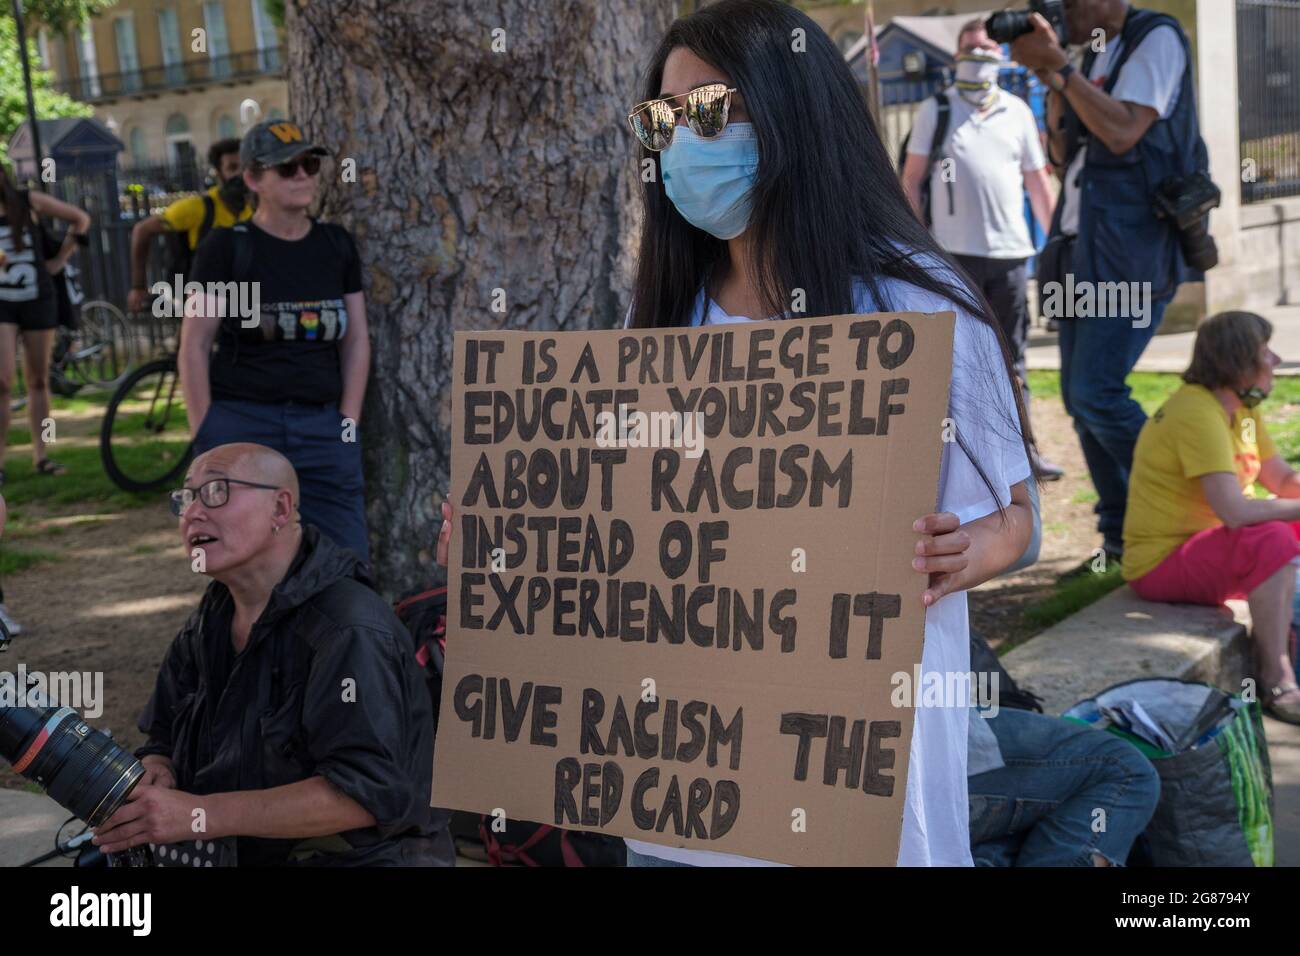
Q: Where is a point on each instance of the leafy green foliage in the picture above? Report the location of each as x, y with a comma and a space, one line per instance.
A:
50, 104
58, 15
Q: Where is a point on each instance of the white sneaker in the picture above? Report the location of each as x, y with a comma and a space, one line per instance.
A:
12, 626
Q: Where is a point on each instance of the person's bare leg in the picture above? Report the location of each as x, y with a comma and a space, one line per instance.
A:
8, 359
36, 368
1270, 616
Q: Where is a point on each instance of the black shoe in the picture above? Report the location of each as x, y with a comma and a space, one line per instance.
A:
1044, 469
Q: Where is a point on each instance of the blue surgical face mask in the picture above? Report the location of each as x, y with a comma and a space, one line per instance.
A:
711, 181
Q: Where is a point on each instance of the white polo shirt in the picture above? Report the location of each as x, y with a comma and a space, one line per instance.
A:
990, 153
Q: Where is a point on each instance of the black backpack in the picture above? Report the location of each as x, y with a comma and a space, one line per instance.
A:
179, 256
531, 844
983, 659
936, 153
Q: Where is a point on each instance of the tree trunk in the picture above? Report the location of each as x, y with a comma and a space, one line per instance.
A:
493, 168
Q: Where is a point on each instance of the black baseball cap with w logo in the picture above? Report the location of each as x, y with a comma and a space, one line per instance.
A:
272, 142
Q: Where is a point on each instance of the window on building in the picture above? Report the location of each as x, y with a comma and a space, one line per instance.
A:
214, 20
128, 59
264, 35
169, 39
87, 64
139, 148
226, 128
180, 146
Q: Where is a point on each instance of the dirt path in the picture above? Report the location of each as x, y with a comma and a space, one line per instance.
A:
112, 602
1069, 532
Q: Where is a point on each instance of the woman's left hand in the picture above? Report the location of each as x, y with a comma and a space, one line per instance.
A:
151, 815
942, 554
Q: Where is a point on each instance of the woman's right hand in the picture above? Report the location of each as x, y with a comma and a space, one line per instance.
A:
444, 535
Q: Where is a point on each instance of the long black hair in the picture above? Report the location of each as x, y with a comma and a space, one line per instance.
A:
827, 207
16, 209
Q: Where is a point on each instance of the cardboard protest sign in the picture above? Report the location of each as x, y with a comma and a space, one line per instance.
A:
680, 580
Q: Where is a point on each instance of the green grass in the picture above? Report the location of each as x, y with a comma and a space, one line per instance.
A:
1150, 389
1085, 496
1073, 595
86, 480
13, 560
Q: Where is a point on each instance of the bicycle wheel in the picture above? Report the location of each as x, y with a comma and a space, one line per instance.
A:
144, 441
102, 347
61, 383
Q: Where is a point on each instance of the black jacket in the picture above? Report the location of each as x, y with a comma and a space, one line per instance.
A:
327, 685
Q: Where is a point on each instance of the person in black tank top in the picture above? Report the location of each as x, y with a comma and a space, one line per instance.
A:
27, 305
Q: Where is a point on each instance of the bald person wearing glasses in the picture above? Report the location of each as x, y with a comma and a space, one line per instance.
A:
290, 719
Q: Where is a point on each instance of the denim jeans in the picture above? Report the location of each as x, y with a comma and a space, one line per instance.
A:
1066, 791
640, 859
1097, 355
330, 482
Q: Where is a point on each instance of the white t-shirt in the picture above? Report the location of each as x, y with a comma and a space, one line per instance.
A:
990, 153
936, 815
1150, 77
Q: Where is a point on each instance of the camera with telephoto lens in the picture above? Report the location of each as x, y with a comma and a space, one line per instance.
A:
1007, 26
1187, 201
85, 771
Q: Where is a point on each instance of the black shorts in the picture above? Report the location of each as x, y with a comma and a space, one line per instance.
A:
34, 316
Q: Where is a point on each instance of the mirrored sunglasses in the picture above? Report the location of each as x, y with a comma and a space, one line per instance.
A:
706, 109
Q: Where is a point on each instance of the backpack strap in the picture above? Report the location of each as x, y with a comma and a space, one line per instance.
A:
241, 264
941, 121
209, 214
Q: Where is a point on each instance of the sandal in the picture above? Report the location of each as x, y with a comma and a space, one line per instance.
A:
48, 466
1288, 712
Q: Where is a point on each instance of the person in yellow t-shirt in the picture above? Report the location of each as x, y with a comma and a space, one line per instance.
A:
229, 199
1193, 531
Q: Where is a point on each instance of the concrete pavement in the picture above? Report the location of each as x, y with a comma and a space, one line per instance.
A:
1171, 353
28, 823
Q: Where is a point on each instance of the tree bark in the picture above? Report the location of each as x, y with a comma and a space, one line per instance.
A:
493, 167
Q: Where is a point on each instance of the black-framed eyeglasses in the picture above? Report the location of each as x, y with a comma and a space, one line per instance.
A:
706, 112
213, 493
309, 163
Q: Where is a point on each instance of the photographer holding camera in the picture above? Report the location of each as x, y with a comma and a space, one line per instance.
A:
1133, 207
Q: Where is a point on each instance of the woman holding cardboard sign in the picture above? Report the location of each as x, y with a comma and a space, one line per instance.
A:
775, 193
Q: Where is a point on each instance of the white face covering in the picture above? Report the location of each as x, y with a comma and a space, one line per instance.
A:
977, 78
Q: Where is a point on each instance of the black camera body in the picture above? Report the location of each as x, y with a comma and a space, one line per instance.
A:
1186, 201
1007, 26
